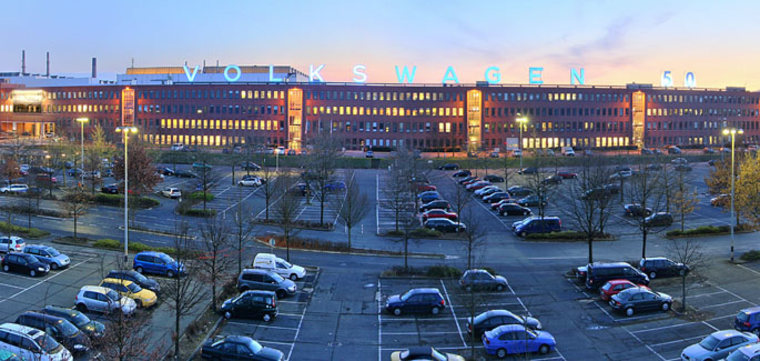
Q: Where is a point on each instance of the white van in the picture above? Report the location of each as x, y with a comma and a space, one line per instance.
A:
31, 344
278, 265
568, 152
178, 146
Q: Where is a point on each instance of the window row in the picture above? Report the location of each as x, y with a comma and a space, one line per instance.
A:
210, 109
554, 112
221, 124
383, 96
663, 125
672, 98
210, 94
664, 112
556, 96
387, 111
103, 94
82, 108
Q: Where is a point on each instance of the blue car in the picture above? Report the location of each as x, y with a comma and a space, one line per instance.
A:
48, 255
335, 186
748, 319
516, 339
157, 263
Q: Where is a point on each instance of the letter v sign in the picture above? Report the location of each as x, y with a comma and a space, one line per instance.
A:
190, 78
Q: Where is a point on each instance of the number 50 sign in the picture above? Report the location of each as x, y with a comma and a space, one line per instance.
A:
689, 80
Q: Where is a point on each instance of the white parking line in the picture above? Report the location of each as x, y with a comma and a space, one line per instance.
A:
748, 269
646, 345
418, 319
677, 341
298, 330
377, 207
423, 333
453, 313
735, 295
723, 304
241, 200
43, 280
379, 322
706, 294
710, 326
9, 285
258, 325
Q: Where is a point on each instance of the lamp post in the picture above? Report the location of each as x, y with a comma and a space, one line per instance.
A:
521, 121
81, 122
732, 132
126, 131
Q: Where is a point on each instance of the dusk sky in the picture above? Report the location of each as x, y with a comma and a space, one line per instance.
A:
615, 42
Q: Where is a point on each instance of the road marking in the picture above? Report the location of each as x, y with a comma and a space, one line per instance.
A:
43, 280
706, 294
748, 269
377, 202
298, 330
276, 342
241, 200
423, 333
646, 345
260, 325
677, 341
734, 294
723, 304
710, 326
9, 285
451, 306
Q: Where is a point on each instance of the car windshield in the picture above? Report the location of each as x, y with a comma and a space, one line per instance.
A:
479, 318
276, 277
68, 328
112, 295
254, 346
80, 320
607, 286
137, 276
742, 317
709, 343
166, 258
53, 252
29, 258
285, 263
624, 295
134, 288
737, 356
406, 295
48, 344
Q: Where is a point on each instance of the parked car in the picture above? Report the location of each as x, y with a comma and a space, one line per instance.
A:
112, 188
635, 210
646, 151
93, 329
718, 345
598, 273
493, 178
480, 280
612, 188
157, 263
567, 175
12, 244
103, 300
242, 348
31, 344
24, 263
49, 256
429, 196
613, 287
528, 170
185, 174
14, 188
496, 197
659, 219
517, 339
95, 174
251, 304
261, 279
250, 166
531, 201
674, 150
467, 179
748, 319
519, 191
60, 329
679, 161
270, 262
436, 204
439, 213
424, 353
369, 154
416, 300
164, 170
444, 225
46, 178
745, 353
552, 179
539, 225
250, 181
477, 185
136, 277
462, 173
513, 209
37, 170
143, 297
620, 175
634, 300
661, 267
426, 187
449, 166
486, 190
336, 186
682, 168
519, 223
171, 193
202, 166
568, 151
489, 320
653, 167
721, 200
495, 205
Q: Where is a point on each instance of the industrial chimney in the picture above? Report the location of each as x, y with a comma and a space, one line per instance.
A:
94, 67
47, 64
23, 62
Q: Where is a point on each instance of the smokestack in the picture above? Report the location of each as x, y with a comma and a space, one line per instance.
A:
23, 62
94, 68
47, 64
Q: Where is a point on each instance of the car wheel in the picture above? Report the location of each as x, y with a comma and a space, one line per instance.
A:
32, 273
293, 277
280, 294
267, 317
139, 269
652, 275
435, 310
54, 266
6, 268
629, 311
501, 353
523, 234
170, 274
397, 311
227, 315
81, 307
665, 307
544, 349
500, 288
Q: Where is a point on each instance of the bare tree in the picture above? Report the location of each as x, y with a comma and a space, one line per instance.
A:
355, 205
215, 261
685, 198
644, 190
286, 210
543, 190
142, 173
243, 230
322, 161
472, 235
268, 177
688, 252
75, 202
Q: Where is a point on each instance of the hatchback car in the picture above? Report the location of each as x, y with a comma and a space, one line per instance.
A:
531, 201
171, 193
185, 174
110, 188
250, 181
143, 298
480, 280
60, 329
613, 287
529, 170
436, 204
242, 348
745, 353
634, 300
449, 166
538, 225
462, 173
466, 179
513, 209
661, 267
14, 188
103, 300
94, 329
416, 300
659, 219
495, 205
136, 277
24, 263
489, 320
519, 191
429, 196
598, 273
336, 186
157, 263
12, 244
438, 213
748, 319
259, 279
424, 353
48, 255
636, 210
567, 175
517, 339
718, 345
444, 225
31, 344
251, 304
494, 178
250, 166
552, 179
477, 185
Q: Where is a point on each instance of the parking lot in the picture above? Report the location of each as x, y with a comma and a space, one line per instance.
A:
384, 210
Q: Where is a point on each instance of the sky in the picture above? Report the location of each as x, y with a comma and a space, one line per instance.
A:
615, 42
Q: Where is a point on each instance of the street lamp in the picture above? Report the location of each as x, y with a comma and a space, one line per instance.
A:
81, 122
521, 121
732, 132
126, 131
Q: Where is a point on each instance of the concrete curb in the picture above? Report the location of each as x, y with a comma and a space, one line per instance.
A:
372, 253
208, 334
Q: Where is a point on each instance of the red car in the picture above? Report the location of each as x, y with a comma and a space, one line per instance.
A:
475, 186
495, 206
426, 187
568, 175
47, 178
613, 287
439, 213
474, 180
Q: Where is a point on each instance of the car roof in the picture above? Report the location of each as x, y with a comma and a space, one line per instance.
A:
617, 282
425, 290
724, 334
751, 309
150, 253
656, 259
499, 313
750, 350
21, 329
238, 338
44, 316
118, 281
59, 309
420, 351
97, 289
258, 292
609, 264
509, 327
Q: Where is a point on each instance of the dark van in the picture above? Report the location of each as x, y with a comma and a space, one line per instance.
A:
599, 273
538, 225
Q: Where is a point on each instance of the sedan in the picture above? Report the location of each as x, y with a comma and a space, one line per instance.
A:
635, 210
426, 187
477, 185
485, 189
436, 204
553, 179
424, 353
496, 197
663, 219
718, 345
445, 225
637, 299
165, 171
439, 213
467, 179
516, 339
462, 174
241, 348
531, 201
110, 188
529, 170
512, 209
494, 178
449, 166
518, 191
489, 320
495, 206
613, 287
426, 197
185, 174
568, 175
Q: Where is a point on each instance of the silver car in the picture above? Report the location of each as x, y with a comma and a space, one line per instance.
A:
48, 255
718, 345
104, 300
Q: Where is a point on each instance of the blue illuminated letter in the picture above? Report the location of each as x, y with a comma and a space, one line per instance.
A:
190, 78
493, 76
360, 75
227, 73
690, 81
576, 77
534, 75
271, 74
667, 79
314, 73
450, 75
404, 75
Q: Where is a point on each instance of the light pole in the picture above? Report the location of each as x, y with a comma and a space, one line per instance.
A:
81, 122
126, 131
521, 121
732, 132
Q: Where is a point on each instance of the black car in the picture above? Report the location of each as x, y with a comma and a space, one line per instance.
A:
250, 166
682, 168
462, 173
59, 328
493, 178
165, 171
495, 197
513, 209
518, 191
136, 277
531, 201
251, 304
662, 267
552, 179
487, 192
659, 219
612, 188
467, 179
444, 225
598, 273
480, 279
185, 174
489, 320
529, 170
110, 189
416, 300
242, 348
94, 329
635, 210
637, 299
436, 204
24, 263
449, 166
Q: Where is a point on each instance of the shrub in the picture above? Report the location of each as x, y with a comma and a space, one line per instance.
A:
199, 195
192, 212
564, 235
107, 244
133, 246
437, 271
698, 231
32, 233
400, 271
749, 256
26, 209
117, 199
425, 233
443, 271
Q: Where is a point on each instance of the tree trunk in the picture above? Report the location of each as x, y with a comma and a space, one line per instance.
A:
644, 244
240, 253
406, 252
682, 221
349, 236
287, 245
75, 224
322, 199
590, 249
213, 283
683, 293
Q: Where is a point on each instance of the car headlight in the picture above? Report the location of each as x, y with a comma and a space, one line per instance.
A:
41, 269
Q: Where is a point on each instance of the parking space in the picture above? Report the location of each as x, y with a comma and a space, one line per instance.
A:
385, 213
281, 333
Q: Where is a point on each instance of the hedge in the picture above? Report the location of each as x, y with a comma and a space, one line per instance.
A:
133, 246
199, 195
699, 231
117, 199
565, 236
32, 233
192, 212
749, 256
416, 233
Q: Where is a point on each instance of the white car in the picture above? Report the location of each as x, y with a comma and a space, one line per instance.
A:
103, 300
484, 189
14, 188
171, 193
12, 244
31, 344
745, 353
718, 345
250, 182
278, 265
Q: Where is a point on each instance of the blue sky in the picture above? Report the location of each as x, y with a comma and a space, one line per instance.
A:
615, 42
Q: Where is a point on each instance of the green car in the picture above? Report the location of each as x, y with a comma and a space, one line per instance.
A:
201, 166
9, 356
